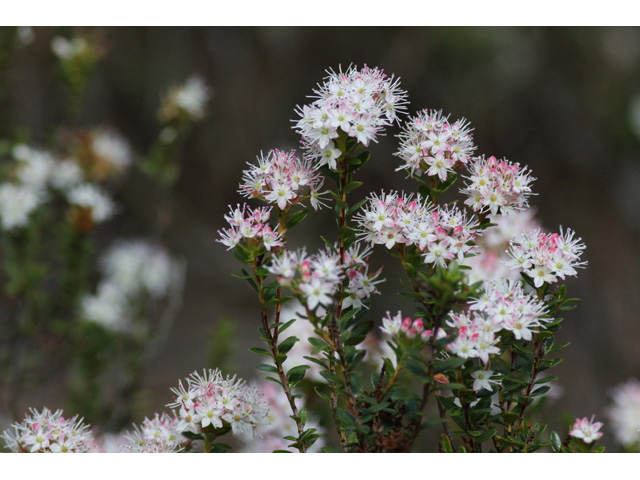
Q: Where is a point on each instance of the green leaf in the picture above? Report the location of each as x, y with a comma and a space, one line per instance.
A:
192, 436
320, 393
297, 217
287, 344
556, 442
316, 361
260, 351
351, 186
445, 442
296, 374
220, 448
483, 437
286, 325
355, 207
540, 391
346, 418
267, 368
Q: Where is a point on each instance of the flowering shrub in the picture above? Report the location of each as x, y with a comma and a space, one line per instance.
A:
468, 361
475, 349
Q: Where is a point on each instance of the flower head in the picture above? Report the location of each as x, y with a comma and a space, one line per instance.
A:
497, 186
283, 179
624, 413
17, 203
47, 431
360, 103
503, 306
431, 145
586, 429
92, 200
159, 434
546, 257
210, 401
186, 101
250, 226
441, 233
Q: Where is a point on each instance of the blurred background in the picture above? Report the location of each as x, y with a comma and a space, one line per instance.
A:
559, 100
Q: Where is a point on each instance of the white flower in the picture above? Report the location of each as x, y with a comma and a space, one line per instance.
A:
317, 292
482, 379
17, 202
34, 166
586, 430
112, 149
65, 175
108, 307
91, 197
139, 266
67, 49
188, 99
624, 413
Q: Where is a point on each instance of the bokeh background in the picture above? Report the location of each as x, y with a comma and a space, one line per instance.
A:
559, 100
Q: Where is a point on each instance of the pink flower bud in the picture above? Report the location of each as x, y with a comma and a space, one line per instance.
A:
406, 324
418, 325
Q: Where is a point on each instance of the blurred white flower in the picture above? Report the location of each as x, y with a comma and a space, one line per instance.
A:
66, 175
139, 266
186, 100
624, 413
17, 202
26, 36
134, 271
92, 198
66, 49
107, 308
112, 150
34, 166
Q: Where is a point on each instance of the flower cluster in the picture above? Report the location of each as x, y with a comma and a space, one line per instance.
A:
586, 430
361, 284
133, 270
77, 47
315, 278
407, 328
159, 434
441, 233
431, 145
211, 402
624, 413
497, 186
102, 153
37, 173
34, 166
251, 225
282, 178
48, 431
503, 306
360, 103
17, 203
278, 424
491, 247
546, 257
92, 202
186, 101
